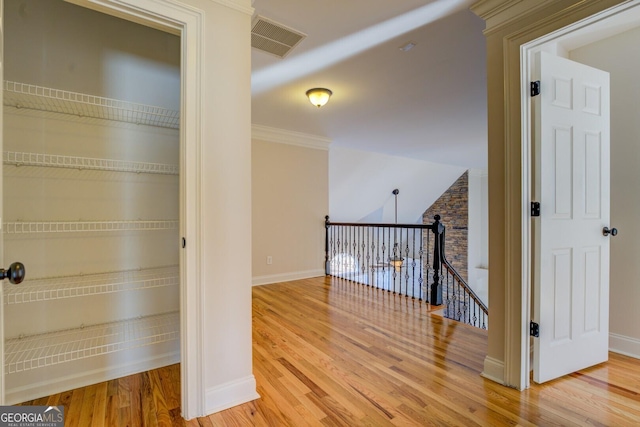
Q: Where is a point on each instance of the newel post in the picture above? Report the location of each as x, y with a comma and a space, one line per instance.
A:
327, 224
435, 298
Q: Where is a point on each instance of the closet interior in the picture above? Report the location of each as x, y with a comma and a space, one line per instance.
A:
90, 197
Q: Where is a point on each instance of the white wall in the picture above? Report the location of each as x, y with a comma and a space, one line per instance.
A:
225, 206
478, 234
361, 185
618, 55
360, 190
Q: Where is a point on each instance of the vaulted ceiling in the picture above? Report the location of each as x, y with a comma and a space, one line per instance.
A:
426, 103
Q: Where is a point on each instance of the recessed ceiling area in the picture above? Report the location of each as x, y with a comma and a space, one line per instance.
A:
428, 102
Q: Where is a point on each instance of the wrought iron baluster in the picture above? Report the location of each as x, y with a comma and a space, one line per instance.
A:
392, 266
352, 247
405, 262
413, 267
384, 263
424, 263
366, 250
334, 234
378, 259
341, 253
368, 254
363, 270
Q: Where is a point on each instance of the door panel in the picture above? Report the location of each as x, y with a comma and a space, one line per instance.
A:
571, 289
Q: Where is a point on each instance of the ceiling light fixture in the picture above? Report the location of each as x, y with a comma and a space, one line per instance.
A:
319, 96
397, 259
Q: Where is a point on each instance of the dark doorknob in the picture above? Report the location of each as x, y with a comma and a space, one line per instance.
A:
606, 231
15, 273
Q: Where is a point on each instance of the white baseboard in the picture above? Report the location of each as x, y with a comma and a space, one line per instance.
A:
83, 378
624, 345
231, 394
286, 277
493, 370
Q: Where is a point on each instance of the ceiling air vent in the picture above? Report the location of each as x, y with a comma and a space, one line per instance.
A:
274, 38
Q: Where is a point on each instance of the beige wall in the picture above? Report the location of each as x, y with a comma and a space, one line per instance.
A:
290, 200
510, 24
617, 55
122, 61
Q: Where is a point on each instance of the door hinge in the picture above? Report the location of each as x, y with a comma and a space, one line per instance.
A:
534, 329
535, 208
535, 88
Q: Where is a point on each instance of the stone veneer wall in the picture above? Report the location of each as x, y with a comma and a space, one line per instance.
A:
453, 208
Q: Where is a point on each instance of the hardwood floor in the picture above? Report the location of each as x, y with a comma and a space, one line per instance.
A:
331, 353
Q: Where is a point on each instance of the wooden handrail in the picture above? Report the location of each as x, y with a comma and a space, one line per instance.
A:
373, 224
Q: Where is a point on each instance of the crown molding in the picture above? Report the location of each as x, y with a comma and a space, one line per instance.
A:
500, 13
282, 136
238, 5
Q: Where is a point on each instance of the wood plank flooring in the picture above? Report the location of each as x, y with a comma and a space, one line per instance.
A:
331, 353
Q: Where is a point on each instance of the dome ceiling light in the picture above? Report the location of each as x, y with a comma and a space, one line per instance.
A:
319, 96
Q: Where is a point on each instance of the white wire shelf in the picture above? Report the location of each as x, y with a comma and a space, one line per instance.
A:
22, 95
53, 288
81, 163
24, 227
37, 351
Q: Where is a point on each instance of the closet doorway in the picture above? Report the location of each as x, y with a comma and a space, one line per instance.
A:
91, 197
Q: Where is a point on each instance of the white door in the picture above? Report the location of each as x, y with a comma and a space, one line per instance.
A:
571, 274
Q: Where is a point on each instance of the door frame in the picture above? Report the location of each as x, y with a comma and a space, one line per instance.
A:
1, 205
186, 22
589, 30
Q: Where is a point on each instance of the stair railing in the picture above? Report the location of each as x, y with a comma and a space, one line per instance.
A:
406, 259
461, 302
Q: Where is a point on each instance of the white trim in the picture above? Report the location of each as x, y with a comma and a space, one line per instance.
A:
81, 378
527, 50
144, 15
139, 15
282, 136
231, 394
493, 370
494, 11
286, 277
628, 346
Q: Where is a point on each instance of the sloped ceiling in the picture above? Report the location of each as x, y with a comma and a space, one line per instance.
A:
428, 103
